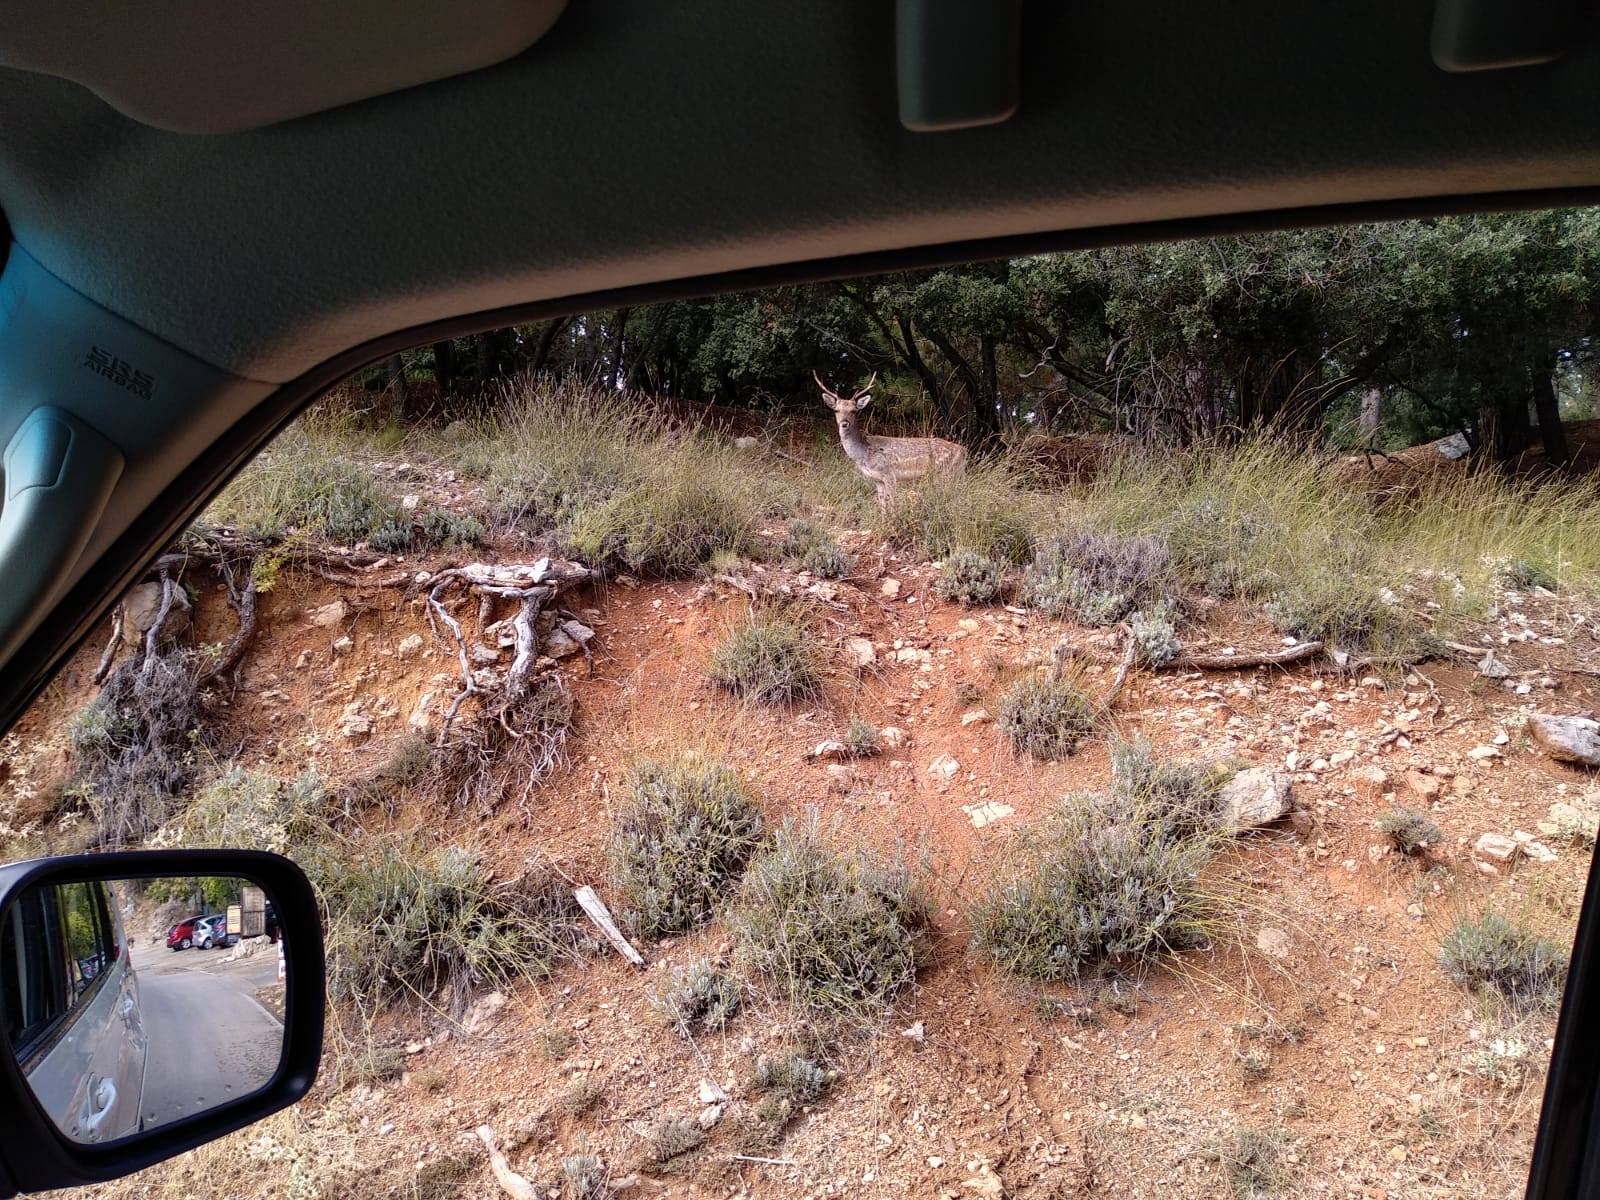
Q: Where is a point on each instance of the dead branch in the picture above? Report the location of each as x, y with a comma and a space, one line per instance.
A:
110, 654
595, 909
1233, 662
152, 637
244, 603
510, 1182
1129, 650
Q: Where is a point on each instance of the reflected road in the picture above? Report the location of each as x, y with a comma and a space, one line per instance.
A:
210, 1040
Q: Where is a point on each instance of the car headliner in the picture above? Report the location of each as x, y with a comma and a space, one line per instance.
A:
641, 141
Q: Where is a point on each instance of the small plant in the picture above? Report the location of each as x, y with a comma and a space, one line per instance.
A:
812, 548
410, 760
674, 1136
1046, 715
768, 658
685, 833
579, 1096
703, 997
1110, 879
968, 577
836, 933
1528, 573
1408, 830
584, 1176
1181, 795
1155, 638
438, 1178
861, 738
374, 1065
988, 511
1101, 577
1489, 954
798, 1079
1254, 1163
441, 527
1329, 609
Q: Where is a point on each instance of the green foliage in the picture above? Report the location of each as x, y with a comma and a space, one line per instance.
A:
1486, 953
969, 578
987, 511
441, 527
1183, 795
1254, 1162
768, 658
701, 998
674, 1136
792, 1075
250, 810
1155, 638
1408, 830
861, 738
1101, 577
1530, 573
835, 933
1046, 714
812, 548
681, 838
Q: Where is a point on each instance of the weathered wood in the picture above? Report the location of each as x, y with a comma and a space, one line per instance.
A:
109, 655
513, 1184
1129, 650
595, 909
152, 637
1234, 662
244, 602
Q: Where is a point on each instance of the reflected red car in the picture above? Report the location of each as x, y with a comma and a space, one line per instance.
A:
181, 935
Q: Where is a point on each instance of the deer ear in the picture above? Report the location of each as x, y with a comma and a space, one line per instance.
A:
828, 398
863, 401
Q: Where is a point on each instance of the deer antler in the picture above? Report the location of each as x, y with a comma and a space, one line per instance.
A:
866, 389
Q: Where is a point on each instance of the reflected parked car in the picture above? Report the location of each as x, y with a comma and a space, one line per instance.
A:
70, 1002
211, 932
181, 935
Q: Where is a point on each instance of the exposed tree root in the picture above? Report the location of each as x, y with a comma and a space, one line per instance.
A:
1233, 662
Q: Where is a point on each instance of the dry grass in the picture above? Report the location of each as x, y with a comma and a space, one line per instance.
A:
768, 658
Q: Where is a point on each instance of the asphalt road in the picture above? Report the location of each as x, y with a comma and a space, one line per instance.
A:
210, 1040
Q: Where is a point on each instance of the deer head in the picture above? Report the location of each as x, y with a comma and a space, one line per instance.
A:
845, 408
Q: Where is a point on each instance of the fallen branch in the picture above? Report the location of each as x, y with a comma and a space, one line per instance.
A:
110, 654
1233, 662
771, 1162
1129, 651
244, 603
510, 1182
595, 909
152, 637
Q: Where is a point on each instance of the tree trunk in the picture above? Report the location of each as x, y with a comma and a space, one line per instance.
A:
1502, 432
1371, 412
394, 371
444, 367
1542, 383
547, 338
618, 330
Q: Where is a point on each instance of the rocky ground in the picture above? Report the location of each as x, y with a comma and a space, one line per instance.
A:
1316, 1050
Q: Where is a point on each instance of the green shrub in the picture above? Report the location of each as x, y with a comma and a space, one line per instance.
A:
250, 810
834, 932
1101, 577
441, 527
1254, 1161
309, 483
768, 658
1045, 714
812, 548
1108, 880
969, 578
798, 1079
1182, 795
134, 746
1408, 830
584, 1177
1155, 639
1489, 954
861, 738
408, 922
682, 836
988, 511
700, 998
1530, 573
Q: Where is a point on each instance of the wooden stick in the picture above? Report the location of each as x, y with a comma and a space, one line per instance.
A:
510, 1182
595, 909
771, 1162
1121, 676
1232, 662
110, 655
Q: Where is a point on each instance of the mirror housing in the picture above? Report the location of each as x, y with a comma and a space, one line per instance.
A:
35, 1155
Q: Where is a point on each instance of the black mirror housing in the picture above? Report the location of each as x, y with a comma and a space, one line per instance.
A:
36, 1156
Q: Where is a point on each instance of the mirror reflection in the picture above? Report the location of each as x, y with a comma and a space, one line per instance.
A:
132, 1003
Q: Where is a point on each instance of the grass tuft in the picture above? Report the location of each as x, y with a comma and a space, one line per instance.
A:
1408, 830
987, 511
861, 738
1046, 714
701, 998
812, 548
682, 837
768, 658
835, 933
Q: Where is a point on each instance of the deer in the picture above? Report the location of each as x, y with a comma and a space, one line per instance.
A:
888, 461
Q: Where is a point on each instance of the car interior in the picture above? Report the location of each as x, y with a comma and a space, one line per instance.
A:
214, 214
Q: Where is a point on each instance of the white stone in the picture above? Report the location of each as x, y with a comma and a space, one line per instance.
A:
328, 615
890, 588
1496, 846
1567, 739
974, 716
409, 646
944, 767
1254, 797
830, 749
861, 651
987, 813
1273, 942
892, 737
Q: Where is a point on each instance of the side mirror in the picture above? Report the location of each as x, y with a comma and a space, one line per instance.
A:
150, 1002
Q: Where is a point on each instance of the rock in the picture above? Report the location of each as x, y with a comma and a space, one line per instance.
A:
484, 656
987, 813
577, 631
1273, 942
831, 750
328, 615
482, 1012
890, 588
974, 716
354, 724
410, 502
342, 646
302, 660
1453, 447
944, 767
840, 777
708, 1117
892, 737
566, 639
861, 651
1533, 848
1370, 781
711, 1092
139, 609
1485, 752
409, 646
917, 1032
984, 1183
1254, 797
1423, 787
1572, 822
1492, 668
747, 443
1567, 739
1496, 846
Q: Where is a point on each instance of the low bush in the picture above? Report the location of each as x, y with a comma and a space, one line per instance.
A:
1100, 577
768, 658
1530, 573
1488, 954
1408, 830
792, 1075
861, 738
408, 922
441, 527
834, 933
584, 1177
988, 511
701, 998
1046, 714
812, 548
968, 577
674, 1136
1155, 638
250, 810
1108, 880
134, 747
1254, 1162
1181, 795
679, 842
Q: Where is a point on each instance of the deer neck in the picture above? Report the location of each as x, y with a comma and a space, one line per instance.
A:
855, 445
